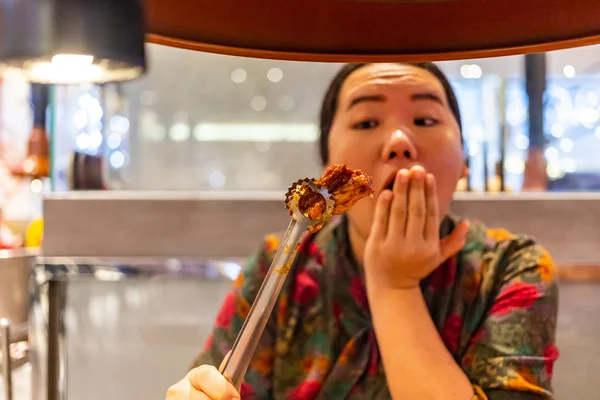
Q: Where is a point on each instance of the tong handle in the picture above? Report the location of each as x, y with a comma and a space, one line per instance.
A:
6, 358
236, 364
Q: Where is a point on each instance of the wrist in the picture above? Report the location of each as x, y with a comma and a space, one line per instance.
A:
403, 301
377, 285
377, 281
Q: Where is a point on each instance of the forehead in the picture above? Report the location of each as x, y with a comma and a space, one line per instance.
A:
390, 77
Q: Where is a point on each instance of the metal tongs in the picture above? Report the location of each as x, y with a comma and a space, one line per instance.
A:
235, 365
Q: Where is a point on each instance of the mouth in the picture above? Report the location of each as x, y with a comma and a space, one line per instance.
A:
390, 181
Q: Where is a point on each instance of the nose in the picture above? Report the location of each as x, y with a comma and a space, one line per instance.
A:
399, 145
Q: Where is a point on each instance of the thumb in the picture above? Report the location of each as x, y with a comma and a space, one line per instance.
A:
454, 242
224, 362
208, 380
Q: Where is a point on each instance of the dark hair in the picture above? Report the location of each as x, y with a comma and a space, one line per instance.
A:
330, 101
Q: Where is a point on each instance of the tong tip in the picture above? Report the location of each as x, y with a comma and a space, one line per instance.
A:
305, 199
292, 190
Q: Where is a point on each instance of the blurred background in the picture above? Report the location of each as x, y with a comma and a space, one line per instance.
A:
211, 125
196, 117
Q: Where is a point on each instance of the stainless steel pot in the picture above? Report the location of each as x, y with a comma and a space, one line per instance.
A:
16, 267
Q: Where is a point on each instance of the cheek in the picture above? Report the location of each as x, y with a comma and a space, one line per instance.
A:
355, 150
447, 167
344, 152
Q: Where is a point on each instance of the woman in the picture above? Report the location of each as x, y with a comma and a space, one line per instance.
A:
397, 299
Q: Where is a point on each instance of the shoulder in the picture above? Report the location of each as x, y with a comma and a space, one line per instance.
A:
511, 320
501, 257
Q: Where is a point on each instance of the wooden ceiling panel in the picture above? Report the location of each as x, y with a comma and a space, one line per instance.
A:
373, 30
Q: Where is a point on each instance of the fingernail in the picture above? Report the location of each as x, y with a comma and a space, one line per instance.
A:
418, 174
404, 174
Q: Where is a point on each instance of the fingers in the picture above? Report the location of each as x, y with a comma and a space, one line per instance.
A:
382, 215
203, 383
183, 390
415, 221
453, 243
208, 380
414, 210
432, 223
399, 207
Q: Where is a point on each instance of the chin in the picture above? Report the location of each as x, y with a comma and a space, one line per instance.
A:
361, 218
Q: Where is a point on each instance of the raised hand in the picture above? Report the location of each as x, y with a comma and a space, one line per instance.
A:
404, 244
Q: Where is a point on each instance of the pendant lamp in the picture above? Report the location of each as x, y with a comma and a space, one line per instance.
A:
373, 30
73, 41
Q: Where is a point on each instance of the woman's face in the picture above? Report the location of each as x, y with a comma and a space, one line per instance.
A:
394, 116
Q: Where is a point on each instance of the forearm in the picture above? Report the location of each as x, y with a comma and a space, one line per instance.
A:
416, 362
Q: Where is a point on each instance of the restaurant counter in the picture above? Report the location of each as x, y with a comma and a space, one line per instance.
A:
219, 224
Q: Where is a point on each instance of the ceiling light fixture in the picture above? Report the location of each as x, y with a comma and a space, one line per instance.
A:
73, 41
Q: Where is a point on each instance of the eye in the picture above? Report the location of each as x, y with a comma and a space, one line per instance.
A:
426, 122
366, 124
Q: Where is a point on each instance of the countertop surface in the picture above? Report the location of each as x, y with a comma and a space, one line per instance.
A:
4, 254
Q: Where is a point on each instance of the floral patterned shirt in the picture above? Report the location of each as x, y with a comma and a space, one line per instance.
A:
494, 305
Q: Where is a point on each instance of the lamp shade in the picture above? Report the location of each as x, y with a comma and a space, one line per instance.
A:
73, 41
373, 30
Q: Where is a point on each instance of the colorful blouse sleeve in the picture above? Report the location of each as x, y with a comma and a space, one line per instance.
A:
512, 353
230, 319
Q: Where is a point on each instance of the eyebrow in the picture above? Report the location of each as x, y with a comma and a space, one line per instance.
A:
427, 96
362, 99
